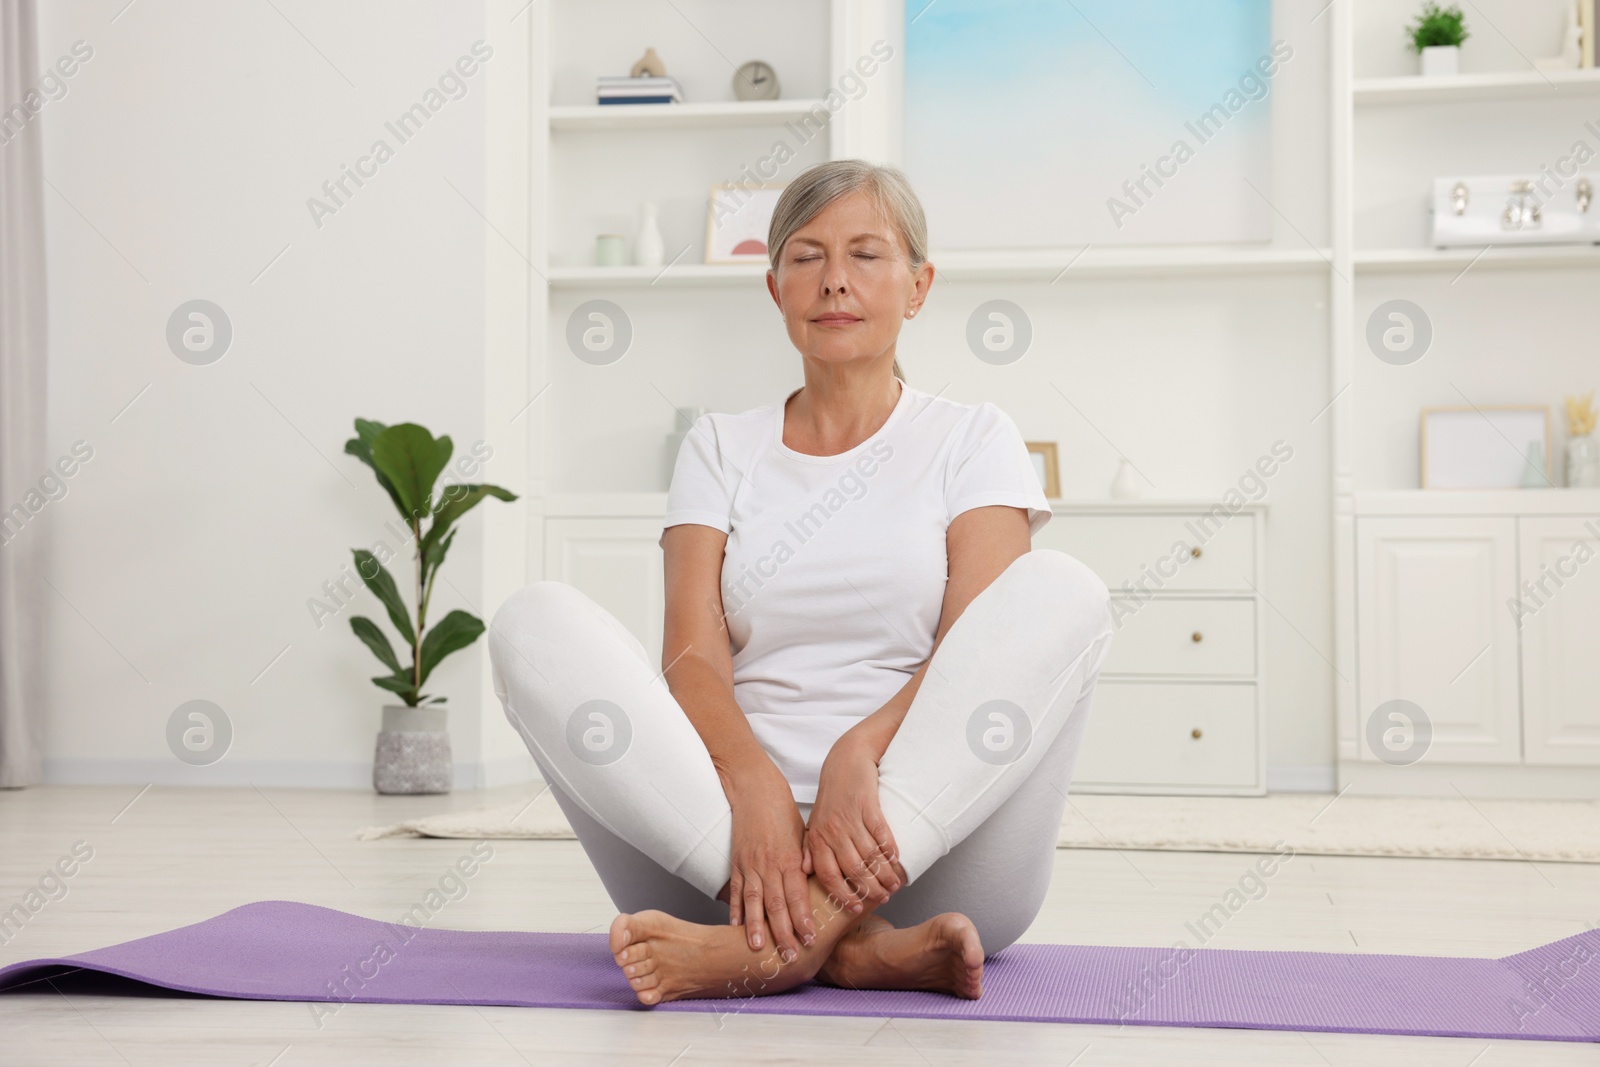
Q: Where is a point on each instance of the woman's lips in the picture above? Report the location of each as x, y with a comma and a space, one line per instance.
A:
835, 320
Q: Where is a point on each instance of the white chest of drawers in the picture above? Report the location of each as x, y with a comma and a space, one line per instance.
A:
1179, 708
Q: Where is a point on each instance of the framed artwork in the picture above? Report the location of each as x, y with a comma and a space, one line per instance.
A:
737, 220
1483, 448
1162, 137
1043, 454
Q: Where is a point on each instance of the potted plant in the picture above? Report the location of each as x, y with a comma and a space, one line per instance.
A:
1436, 36
413, 753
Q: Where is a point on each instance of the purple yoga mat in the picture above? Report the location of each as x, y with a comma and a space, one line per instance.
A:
283, 950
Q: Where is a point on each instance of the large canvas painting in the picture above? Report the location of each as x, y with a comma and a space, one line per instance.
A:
1056, 123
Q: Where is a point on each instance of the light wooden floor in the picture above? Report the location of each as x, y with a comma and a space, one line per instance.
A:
175, 856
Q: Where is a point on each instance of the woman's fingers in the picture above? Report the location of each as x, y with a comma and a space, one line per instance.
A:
857, 876
829, 876
794, 887
876, 861
735, 899
878, 827
755, 921
777, 909
854, 858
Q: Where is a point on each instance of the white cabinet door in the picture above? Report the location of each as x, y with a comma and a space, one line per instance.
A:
1558, 613
1434, 630
617, 562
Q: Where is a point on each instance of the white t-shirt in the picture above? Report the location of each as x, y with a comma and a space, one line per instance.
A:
835, 566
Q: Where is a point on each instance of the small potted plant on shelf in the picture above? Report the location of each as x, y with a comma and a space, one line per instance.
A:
413, 752
1436, 36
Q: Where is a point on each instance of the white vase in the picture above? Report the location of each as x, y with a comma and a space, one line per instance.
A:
1125, 486
413, 752
649, 250
1441, 60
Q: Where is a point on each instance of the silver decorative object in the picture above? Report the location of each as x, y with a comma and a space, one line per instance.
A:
1583, 462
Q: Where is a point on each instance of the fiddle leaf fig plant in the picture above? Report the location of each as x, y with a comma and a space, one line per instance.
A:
408, 461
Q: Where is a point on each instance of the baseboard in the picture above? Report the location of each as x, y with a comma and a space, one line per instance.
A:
1501, 781
280, 774
1302, 778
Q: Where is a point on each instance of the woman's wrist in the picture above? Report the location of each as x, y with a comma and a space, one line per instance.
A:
753, 778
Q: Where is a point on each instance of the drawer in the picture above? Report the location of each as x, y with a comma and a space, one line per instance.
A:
1215, 638
1145, 734
1166, 553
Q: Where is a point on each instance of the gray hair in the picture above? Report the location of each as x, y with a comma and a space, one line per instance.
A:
805, 197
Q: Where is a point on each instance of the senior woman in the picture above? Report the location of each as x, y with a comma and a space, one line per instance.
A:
853, 762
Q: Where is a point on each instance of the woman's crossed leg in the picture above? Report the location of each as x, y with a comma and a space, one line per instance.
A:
971, 787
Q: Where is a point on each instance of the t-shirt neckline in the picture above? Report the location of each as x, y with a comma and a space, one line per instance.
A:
783, 449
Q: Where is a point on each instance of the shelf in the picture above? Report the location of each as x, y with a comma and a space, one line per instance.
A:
676, 274
681, 116
1478, 502
1043, 265
1498, 257
1508, 86
1100, 261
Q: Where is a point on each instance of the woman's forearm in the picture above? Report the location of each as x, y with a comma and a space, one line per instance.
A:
875, 732
738, 757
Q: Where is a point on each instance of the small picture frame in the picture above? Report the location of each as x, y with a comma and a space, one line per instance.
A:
1043, 454
1482, 447
737, 220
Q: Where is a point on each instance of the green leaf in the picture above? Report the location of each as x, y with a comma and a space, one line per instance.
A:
374, 639
433, 555
360, 446
455, 631
454, 502
412, 460
378, 579
398, 683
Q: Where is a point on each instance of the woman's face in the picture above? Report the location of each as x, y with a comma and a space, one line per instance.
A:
844, 283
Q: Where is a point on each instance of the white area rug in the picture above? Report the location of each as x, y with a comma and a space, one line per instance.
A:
1317, 824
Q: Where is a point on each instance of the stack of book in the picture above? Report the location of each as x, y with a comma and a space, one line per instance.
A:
621, 89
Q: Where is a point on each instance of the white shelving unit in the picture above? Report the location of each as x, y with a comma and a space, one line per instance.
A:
1509, 325
587, 160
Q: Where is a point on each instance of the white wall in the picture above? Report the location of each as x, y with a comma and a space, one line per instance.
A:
219, 501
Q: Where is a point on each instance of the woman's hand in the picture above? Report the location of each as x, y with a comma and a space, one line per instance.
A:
767, 889
848, 841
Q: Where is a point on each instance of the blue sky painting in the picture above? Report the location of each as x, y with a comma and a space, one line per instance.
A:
1055, 123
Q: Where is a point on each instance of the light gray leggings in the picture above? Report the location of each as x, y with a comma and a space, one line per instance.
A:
972, 786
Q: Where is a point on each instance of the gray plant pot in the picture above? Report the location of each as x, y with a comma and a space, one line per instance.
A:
413, 754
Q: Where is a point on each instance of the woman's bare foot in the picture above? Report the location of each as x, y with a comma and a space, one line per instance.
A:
943, 955
665, 958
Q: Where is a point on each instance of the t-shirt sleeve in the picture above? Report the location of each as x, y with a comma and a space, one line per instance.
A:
701, 491
990, 464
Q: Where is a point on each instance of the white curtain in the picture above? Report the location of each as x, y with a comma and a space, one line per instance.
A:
22, 397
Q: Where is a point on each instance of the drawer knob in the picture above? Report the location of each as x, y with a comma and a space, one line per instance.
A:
1195, 637
1195, 733
1195, 552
